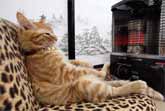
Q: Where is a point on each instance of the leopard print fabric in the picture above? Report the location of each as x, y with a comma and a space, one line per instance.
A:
15, 88
133, 102
16, 93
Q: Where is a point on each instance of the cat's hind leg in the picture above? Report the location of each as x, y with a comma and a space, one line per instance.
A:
92, 88
138, 87
118, 83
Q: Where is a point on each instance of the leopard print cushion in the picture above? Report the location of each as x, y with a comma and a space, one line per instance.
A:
134, 102
15, 88
16, 93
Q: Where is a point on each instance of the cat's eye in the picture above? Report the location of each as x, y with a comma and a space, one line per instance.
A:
48, 34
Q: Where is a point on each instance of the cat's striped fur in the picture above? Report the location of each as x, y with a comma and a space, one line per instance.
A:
57, 81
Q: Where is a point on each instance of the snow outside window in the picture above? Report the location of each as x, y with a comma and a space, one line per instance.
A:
93, 30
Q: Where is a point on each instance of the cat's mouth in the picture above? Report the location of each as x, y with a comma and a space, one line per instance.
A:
49, 44
32, 52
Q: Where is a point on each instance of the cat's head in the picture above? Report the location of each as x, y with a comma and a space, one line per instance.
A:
34, 35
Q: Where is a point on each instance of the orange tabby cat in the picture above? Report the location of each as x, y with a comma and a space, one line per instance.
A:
57, 81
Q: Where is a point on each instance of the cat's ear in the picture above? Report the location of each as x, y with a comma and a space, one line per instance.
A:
24, 22
42, 20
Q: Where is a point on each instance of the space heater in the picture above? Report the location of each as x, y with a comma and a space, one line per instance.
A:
138, 42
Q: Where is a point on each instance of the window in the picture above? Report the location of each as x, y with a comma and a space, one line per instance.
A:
89, 40
93, 30
55, 12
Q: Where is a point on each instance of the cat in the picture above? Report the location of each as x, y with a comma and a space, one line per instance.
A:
58, 81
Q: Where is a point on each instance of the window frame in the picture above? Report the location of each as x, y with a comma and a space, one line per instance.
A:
71, 31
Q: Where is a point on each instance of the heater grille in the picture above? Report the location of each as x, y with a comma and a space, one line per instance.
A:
136, 30
162, 30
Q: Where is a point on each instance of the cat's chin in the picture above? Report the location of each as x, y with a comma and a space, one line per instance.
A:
49, 47
51, 44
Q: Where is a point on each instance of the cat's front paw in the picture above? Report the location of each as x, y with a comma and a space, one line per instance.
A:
138, 86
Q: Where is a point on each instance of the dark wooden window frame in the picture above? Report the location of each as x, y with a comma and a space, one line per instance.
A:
71, 31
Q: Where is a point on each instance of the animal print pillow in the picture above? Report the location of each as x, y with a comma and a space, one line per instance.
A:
15, 88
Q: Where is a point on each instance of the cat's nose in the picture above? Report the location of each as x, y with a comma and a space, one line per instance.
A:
55, 38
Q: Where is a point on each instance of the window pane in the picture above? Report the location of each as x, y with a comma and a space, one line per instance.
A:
93, 30
54, 10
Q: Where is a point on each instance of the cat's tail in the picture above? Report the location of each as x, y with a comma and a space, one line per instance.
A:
154, 94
